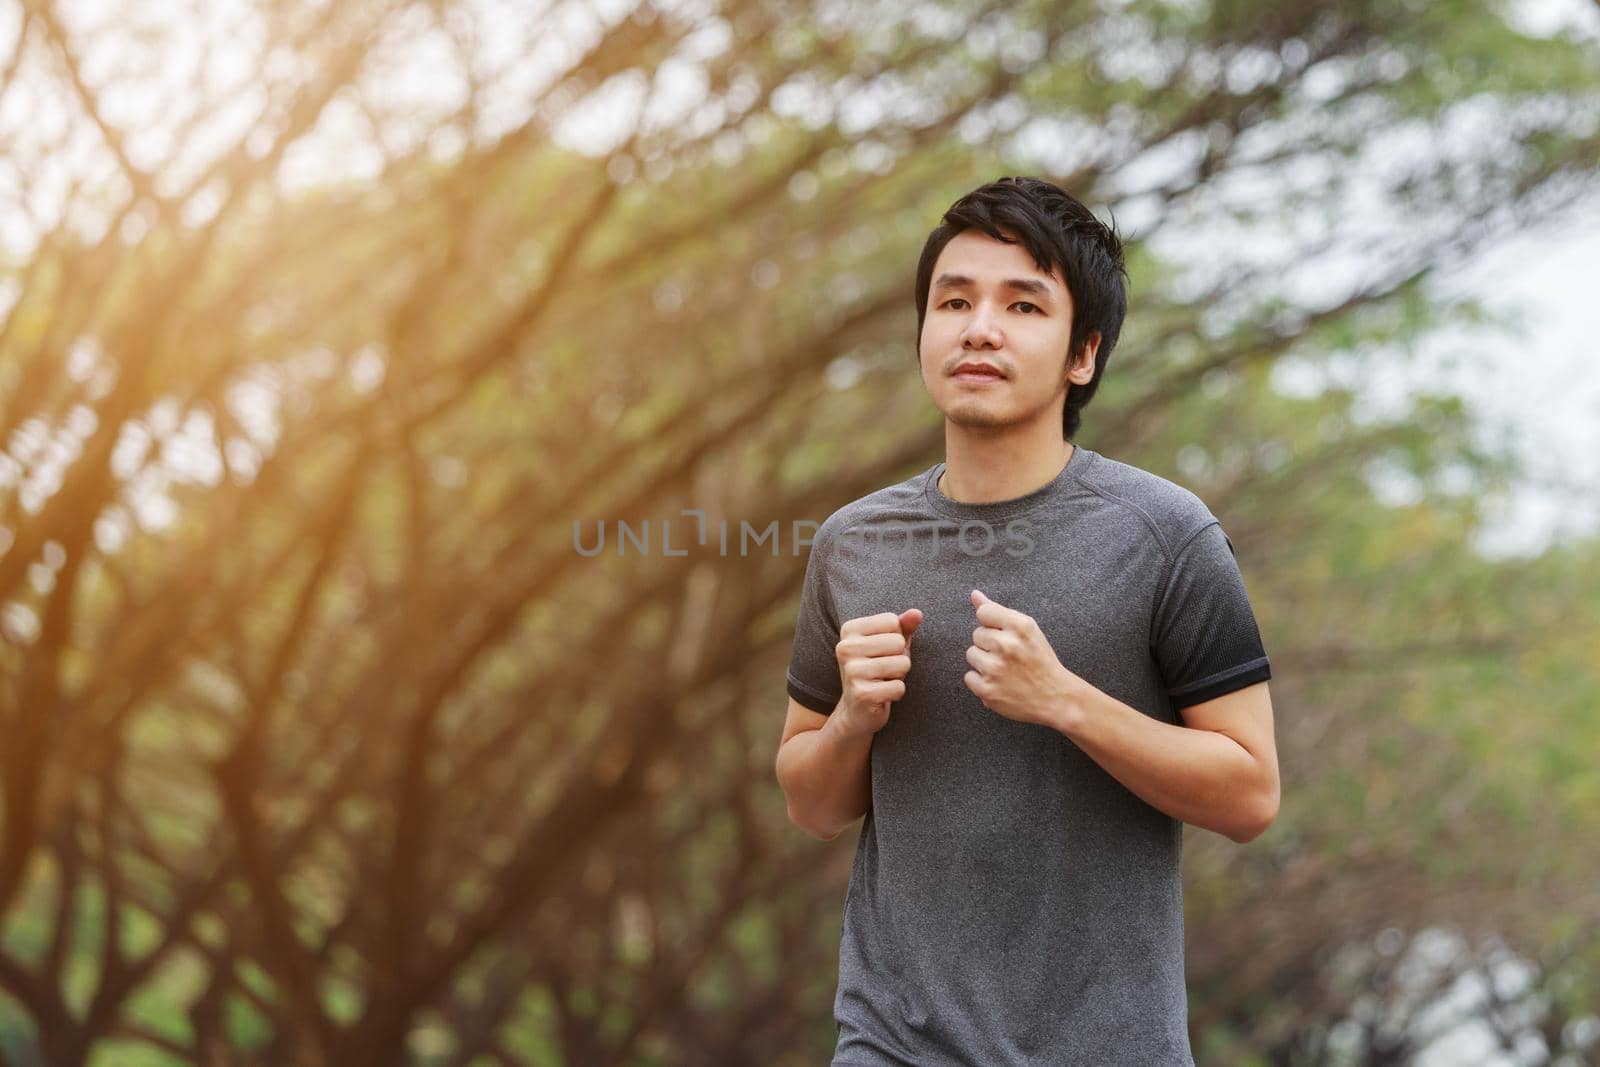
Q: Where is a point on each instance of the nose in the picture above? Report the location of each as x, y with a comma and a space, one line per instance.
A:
982, 329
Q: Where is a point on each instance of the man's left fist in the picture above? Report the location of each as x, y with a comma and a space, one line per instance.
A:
1015, 672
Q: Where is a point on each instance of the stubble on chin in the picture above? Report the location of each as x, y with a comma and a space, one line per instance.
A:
972, 413
976, 417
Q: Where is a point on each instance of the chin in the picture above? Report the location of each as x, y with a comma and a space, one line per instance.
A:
980, 417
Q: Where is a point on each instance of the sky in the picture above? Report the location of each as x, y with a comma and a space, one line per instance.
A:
1543, 389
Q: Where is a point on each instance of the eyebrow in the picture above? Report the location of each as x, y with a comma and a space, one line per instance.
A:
1022, 285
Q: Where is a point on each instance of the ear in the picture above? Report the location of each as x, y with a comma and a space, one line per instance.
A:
1081, 370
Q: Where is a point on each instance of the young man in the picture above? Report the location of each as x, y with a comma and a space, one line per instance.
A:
1027, 666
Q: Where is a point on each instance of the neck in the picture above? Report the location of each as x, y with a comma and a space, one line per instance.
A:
985, 468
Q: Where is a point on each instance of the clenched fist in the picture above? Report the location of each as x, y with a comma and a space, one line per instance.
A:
1014, 671
874, 658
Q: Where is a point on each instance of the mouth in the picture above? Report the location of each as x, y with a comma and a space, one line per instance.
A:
977, 373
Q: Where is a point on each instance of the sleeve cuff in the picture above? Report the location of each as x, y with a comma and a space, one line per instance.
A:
811, 698
1228, 681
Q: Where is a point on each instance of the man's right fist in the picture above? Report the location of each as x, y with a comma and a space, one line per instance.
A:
874, 657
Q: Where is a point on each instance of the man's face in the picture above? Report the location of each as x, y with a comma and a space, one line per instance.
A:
988, 303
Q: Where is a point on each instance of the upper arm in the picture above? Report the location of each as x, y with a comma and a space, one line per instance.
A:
813, 676
800, 719
1245, 715
1203, 631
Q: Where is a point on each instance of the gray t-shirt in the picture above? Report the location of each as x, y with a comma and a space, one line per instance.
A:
1010, 901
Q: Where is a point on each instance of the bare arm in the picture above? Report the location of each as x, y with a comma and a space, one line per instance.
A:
825, 772
1220, 771
823, 760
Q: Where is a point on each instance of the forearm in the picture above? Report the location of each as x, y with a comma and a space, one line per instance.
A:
1200, 777
825, 778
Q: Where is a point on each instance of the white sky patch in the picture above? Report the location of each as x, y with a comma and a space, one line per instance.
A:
1544, 386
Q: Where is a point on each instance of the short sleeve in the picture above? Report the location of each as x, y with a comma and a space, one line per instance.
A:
1204, 634
813, 677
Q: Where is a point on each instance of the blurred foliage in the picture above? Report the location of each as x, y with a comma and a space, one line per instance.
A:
323, 745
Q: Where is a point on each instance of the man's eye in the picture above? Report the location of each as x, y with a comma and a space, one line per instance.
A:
1019, 303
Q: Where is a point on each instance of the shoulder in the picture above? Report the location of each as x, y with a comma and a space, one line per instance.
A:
1172, 512
900, 500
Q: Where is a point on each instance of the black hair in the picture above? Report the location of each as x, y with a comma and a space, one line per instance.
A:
1057, 230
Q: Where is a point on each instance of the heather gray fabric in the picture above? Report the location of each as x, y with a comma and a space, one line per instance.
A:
1010, 901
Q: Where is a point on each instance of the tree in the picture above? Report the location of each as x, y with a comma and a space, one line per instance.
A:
324, 743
